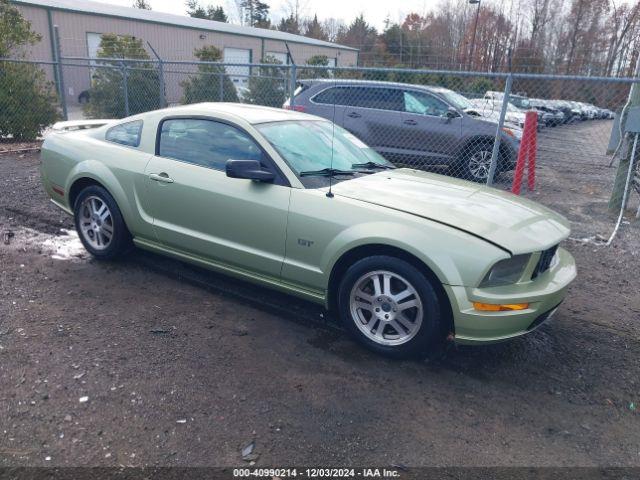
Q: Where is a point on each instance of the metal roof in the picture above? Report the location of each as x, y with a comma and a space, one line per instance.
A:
104, 9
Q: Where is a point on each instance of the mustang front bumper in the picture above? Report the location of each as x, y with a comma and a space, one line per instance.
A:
543, 295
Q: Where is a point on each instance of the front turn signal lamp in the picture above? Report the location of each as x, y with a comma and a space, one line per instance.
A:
492, 307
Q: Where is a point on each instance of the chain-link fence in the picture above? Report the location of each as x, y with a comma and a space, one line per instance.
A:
463, 124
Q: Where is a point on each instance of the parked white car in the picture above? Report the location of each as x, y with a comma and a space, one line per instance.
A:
523, 104
489, 108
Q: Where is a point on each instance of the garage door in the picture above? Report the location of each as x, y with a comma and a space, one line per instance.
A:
239, 75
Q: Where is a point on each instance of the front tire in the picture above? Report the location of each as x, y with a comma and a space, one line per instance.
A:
99, 223
476, 163
390, 307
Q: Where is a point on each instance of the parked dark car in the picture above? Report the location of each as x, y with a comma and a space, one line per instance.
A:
410, 124
571, 113
556, 116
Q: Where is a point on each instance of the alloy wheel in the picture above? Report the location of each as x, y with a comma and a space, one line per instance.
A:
479, 164
386, 308
96, 222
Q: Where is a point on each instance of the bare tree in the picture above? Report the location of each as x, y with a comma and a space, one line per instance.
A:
333, 27
622, 22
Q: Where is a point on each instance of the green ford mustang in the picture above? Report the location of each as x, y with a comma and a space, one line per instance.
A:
293, 202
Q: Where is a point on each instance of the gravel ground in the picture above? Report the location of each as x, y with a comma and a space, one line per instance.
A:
149, 362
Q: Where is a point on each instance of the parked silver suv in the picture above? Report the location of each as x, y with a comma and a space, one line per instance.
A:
411, 124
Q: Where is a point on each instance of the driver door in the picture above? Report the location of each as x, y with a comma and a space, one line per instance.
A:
199, 211
428, 128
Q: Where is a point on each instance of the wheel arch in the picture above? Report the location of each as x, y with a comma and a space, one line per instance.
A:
80, 184
474, 141
94, 173
362, 251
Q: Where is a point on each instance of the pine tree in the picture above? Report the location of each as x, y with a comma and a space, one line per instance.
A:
107, 95
290, 25
267, 88
22, 84
256, 13
313, 29
211, 83
195, 10
217, 14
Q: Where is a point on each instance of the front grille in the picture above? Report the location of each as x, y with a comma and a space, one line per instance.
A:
545, 261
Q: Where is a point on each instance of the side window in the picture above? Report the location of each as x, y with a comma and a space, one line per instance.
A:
424, 104
365, 97
125, 133
378, 98
206, 142
333, 96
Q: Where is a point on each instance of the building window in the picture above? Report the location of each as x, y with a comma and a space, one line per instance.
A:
283, 58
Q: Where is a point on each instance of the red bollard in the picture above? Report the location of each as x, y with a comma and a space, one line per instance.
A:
527, 151
533, 149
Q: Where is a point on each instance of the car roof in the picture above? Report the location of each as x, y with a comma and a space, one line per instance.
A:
253, 114
372, 83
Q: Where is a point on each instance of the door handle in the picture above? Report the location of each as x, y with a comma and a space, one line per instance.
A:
161, 177
410, 122
353, 115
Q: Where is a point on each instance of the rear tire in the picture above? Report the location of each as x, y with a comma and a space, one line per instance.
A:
390, 307
99, 224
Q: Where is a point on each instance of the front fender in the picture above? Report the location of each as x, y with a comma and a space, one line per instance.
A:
455, 257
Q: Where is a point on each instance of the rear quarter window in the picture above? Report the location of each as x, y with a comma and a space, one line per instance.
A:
125, 133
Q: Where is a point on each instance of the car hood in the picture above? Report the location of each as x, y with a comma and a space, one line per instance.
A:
511, 222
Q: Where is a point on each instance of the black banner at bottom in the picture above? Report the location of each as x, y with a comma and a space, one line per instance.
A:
332, 473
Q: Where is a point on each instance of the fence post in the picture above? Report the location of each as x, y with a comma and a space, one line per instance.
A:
162, 98
615, 202
292, 85
125, 87
221, 86
58, 60
496, 142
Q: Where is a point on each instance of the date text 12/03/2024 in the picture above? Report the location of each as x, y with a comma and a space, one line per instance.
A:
315, 473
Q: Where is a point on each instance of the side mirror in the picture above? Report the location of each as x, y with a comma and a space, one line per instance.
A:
450, 114
248, 169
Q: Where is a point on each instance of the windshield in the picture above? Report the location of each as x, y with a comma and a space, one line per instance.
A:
309, 145
455, 99
512, 108
520, 102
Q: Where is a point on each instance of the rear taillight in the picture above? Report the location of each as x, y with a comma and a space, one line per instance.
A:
297, 108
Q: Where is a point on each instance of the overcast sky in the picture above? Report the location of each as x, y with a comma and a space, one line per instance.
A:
375, 10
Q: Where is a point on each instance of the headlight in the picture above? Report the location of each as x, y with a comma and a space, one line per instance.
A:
513, 132
506, 272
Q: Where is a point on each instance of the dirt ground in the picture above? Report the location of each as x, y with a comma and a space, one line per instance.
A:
148, 361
